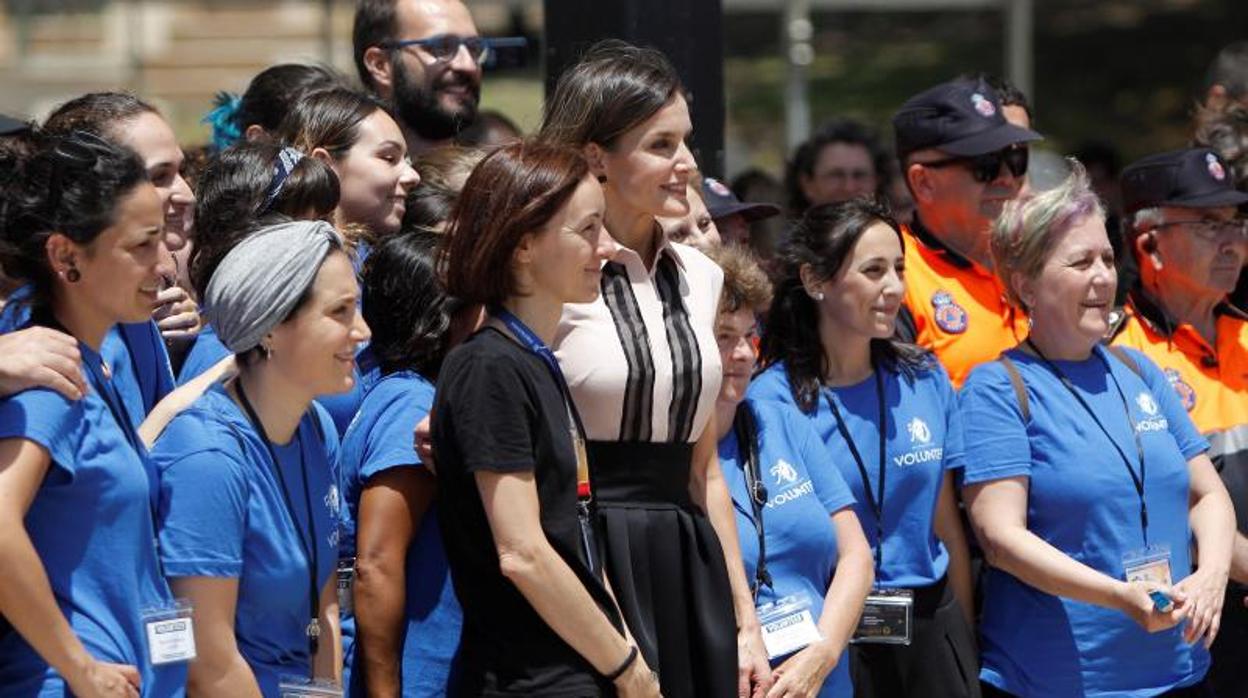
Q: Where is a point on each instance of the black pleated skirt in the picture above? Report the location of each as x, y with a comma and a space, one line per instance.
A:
665, 565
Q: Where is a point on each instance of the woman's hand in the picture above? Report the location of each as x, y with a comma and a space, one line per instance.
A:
803, 674
753, 671
104, 680
1134, 600
177, 316
638, 681
1205, 590
38, 356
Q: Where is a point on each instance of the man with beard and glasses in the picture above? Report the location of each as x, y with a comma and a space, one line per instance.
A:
424, 58
962, 161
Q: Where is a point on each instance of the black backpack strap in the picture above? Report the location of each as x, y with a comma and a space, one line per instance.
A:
1020, 388
1126, 358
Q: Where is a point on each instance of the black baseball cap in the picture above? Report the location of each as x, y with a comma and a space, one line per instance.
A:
962, 118
721, 202
10, 126
1191, 178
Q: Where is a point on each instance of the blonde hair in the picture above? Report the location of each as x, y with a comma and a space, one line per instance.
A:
1027, 230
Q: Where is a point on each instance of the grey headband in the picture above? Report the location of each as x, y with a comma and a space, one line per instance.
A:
259, 282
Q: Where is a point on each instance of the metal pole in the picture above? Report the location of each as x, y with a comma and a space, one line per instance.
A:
797, 31
1019, 45
327, 31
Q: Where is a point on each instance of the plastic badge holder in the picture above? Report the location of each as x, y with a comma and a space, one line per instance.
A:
886, 617
346, 580
1151, 564
170, 633
302, 687
788, 625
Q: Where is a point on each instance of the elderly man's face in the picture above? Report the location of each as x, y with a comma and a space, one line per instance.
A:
435, 95
1198, 250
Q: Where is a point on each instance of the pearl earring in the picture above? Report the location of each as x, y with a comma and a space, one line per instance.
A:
817, 295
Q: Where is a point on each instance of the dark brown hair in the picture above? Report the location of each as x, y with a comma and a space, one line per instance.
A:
100, 113
329, 119
614, 87
516, 190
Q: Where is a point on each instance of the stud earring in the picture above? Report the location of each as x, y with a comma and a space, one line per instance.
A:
817, 295
72, 275
602, 179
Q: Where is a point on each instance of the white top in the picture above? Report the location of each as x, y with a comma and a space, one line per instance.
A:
641, 361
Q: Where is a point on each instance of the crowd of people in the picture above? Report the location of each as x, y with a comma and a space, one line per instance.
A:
381, 397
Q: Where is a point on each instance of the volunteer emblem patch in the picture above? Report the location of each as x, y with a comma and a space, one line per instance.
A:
1187, 394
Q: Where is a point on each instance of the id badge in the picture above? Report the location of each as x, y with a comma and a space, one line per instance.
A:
170, 633
886, 617
788, 625
346, 582
303, 687
1151, 564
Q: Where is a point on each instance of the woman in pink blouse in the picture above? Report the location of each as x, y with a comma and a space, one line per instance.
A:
644, 371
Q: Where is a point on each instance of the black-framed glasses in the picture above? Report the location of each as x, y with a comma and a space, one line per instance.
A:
1212, 230
985, 168
444, 47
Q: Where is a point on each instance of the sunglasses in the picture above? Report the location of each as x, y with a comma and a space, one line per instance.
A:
444, 47
985, 168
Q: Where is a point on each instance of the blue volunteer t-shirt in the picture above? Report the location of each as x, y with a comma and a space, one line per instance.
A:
223, 514
1082, 501
379, 439
924, 439
134, 352
204, 354
91, 524
797, 524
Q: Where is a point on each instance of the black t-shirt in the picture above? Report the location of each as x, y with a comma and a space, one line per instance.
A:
499, 409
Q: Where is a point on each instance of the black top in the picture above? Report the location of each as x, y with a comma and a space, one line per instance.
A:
498, 409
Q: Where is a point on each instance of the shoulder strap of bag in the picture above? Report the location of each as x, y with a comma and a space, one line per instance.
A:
1020, 388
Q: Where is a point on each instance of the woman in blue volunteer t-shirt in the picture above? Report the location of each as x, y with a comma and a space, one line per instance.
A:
887, 413
77, 492
249, 497
1087, 483
401, 632
768, 452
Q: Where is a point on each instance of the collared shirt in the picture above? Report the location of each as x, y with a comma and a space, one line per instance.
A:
649, 337
1211, 380
957, 308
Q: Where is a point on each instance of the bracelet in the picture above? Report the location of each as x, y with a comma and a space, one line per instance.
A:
623, 667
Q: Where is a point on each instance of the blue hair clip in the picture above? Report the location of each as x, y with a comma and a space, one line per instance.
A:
225, 130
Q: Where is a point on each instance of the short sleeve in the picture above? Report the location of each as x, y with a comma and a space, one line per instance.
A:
491, 415
830, 485
992, 427
955, 433
1189, 439
47, 418
390, 442
203, 504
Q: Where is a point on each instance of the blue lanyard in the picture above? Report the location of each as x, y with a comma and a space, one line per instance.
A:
533, 343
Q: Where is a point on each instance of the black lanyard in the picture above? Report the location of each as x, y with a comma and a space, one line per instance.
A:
1137, 480
875, 500
746, 431
310, 553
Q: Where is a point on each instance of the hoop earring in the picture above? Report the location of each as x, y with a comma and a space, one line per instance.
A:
268, 351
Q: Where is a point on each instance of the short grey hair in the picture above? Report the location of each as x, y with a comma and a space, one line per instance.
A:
1025, 234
